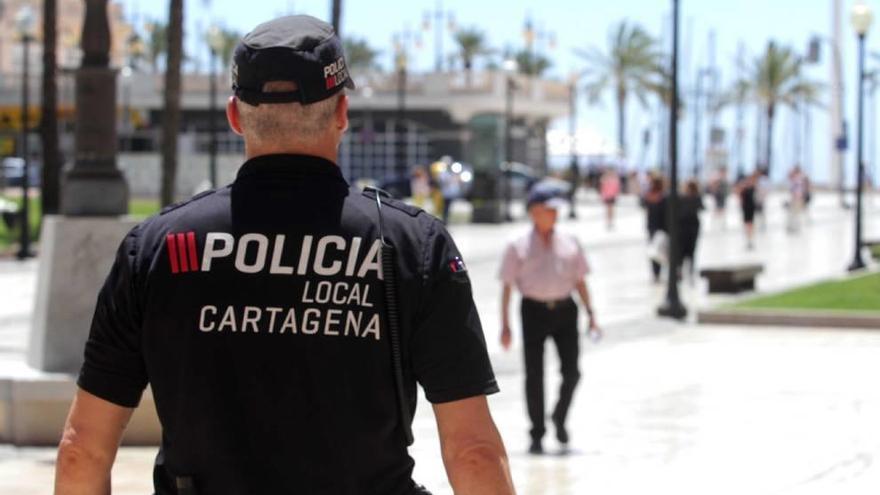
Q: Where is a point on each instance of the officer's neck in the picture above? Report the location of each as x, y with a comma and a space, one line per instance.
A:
253, 150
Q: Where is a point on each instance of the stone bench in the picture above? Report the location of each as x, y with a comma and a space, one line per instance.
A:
731, 279
873, 246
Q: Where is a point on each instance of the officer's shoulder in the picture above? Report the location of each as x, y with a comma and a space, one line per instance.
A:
389, 201
187, 202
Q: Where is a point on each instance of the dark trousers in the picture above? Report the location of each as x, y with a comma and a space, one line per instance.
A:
560, 324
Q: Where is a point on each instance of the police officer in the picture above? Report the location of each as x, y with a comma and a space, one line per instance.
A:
546, 266
258, 314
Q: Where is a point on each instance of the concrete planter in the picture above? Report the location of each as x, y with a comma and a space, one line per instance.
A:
33, 410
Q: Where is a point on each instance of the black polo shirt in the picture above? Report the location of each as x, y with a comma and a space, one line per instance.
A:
255, 312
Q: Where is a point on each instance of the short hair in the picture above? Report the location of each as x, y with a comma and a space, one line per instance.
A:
290, 122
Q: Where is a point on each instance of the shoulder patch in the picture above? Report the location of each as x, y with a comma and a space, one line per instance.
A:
456, 265
185, 202
387, 200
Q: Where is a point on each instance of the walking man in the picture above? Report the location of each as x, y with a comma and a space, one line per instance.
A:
546, 266
259, 315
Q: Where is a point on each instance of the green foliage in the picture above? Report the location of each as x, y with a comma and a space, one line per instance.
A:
854, 294
471, 44
228, 39
137, 208
631, 64
531, 63
775, 78
359, 54
143, 208
8, 237
157, 43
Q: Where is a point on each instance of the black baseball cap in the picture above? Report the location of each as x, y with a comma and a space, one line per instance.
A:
296, 48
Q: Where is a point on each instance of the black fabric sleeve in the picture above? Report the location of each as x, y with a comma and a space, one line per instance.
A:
448, 349
114, 368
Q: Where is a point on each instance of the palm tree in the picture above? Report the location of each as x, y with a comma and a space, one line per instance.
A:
171, 114
359, 54
50, 197
229, 39
775, 80
530, 63
632, 65
661, 87
157, 43
471, 44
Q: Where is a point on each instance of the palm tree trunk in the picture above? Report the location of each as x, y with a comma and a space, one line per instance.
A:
50, 197
171, 114
771, 111
468, 72
621, 122
336, 14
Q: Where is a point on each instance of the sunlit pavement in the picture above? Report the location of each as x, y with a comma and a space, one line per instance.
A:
662, 407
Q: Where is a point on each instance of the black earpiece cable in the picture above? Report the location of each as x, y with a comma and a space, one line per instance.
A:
389, 272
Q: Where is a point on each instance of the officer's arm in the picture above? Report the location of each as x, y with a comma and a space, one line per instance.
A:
473, 452
88, 446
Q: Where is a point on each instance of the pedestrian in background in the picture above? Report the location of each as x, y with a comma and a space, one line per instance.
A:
450, 186
609, 190
719, 187
420, 186
797, 190
762, 192
546, 266
747, 190
655, 209
689, 226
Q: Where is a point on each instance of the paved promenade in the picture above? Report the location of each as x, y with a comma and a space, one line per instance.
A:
663, 407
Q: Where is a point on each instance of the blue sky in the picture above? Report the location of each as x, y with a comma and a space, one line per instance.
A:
586, 23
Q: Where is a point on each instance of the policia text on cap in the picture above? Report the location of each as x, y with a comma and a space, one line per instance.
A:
283, 321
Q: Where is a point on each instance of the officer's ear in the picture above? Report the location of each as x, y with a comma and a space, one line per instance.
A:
234, 116
342, 113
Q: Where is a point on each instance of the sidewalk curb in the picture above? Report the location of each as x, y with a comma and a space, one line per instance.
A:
810, 319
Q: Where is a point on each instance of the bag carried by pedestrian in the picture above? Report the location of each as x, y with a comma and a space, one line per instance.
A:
658, 249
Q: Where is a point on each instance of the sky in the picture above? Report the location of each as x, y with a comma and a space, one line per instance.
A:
586, 23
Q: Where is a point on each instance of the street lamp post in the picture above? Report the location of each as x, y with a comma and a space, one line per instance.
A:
533, 37
400, 126
127, 128
673, 307
861, 17
436, 20
24, 22
215, 42
574, 168
510, 68
838, 122
367, 132
699, 95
